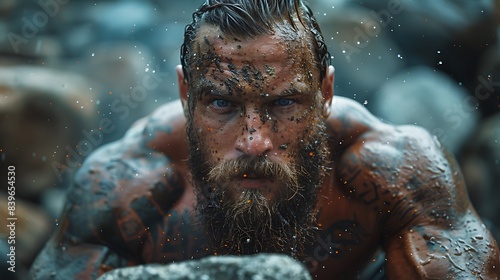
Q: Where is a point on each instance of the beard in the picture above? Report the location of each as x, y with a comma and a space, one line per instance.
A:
275, 219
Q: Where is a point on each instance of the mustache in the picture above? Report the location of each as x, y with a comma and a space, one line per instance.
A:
246, 167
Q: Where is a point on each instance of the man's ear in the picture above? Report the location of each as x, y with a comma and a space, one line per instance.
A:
183, 86
327, 90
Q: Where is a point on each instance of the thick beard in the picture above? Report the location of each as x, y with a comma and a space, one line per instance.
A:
251, 223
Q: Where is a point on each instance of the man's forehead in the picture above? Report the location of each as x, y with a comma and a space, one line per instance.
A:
211, 39
280, 54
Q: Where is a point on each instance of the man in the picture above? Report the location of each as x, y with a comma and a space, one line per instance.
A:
259, 159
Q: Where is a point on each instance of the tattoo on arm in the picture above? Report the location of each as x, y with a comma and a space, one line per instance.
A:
335, 241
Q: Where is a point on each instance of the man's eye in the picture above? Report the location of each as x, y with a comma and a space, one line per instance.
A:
220, 103
284, 102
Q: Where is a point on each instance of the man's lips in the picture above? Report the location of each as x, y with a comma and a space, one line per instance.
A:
253, 181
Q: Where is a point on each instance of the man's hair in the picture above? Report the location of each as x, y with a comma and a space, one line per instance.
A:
250, 18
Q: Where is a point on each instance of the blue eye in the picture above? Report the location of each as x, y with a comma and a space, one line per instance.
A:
284, 102
220, 103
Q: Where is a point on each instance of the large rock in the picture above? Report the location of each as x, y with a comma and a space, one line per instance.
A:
480, 163
451, 35
44, 115
364, 55
425, 97
257, 267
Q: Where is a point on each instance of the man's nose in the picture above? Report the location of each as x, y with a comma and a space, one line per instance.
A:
255, 140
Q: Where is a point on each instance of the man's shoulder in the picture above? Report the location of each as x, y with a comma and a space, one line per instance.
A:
382, 148
145, 157
160, 133
400, 171
351, 125
121, 179
348, 121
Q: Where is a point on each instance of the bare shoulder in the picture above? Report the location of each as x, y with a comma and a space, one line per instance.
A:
430, 229
348, 120
127, 175
121, 190
378, 162
403, 173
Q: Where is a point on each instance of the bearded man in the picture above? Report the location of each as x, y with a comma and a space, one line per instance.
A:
258, 157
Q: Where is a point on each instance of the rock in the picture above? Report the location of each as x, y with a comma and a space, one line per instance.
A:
480, 163
364, 55
43, 114
425, 97
487, 89
452, 35
256, 267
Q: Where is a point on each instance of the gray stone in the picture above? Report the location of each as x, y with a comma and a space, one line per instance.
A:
425, 97
364, 55
480, 163
255, 267
43, 112
450, 35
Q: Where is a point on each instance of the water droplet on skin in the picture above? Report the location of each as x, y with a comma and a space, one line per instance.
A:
425, 262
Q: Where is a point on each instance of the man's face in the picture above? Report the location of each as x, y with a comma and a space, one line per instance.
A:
257, 150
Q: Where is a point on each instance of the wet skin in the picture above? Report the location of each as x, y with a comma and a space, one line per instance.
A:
390, 187
262, 106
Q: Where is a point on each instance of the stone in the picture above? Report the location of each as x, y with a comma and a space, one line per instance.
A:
256, 267
425, 97
42, 103
364, 55
480, 162
450, 35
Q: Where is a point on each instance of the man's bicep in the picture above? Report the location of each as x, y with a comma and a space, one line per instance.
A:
464, 250
432, 230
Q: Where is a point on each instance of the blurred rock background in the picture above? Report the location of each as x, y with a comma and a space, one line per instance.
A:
74, 75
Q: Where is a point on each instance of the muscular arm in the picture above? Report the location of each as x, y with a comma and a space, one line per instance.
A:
429, 227
448, 240
119, 193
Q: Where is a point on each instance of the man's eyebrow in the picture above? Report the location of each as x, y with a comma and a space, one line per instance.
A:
207, 89
290, 92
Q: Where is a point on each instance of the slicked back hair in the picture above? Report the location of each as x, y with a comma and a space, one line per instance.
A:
250, 18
